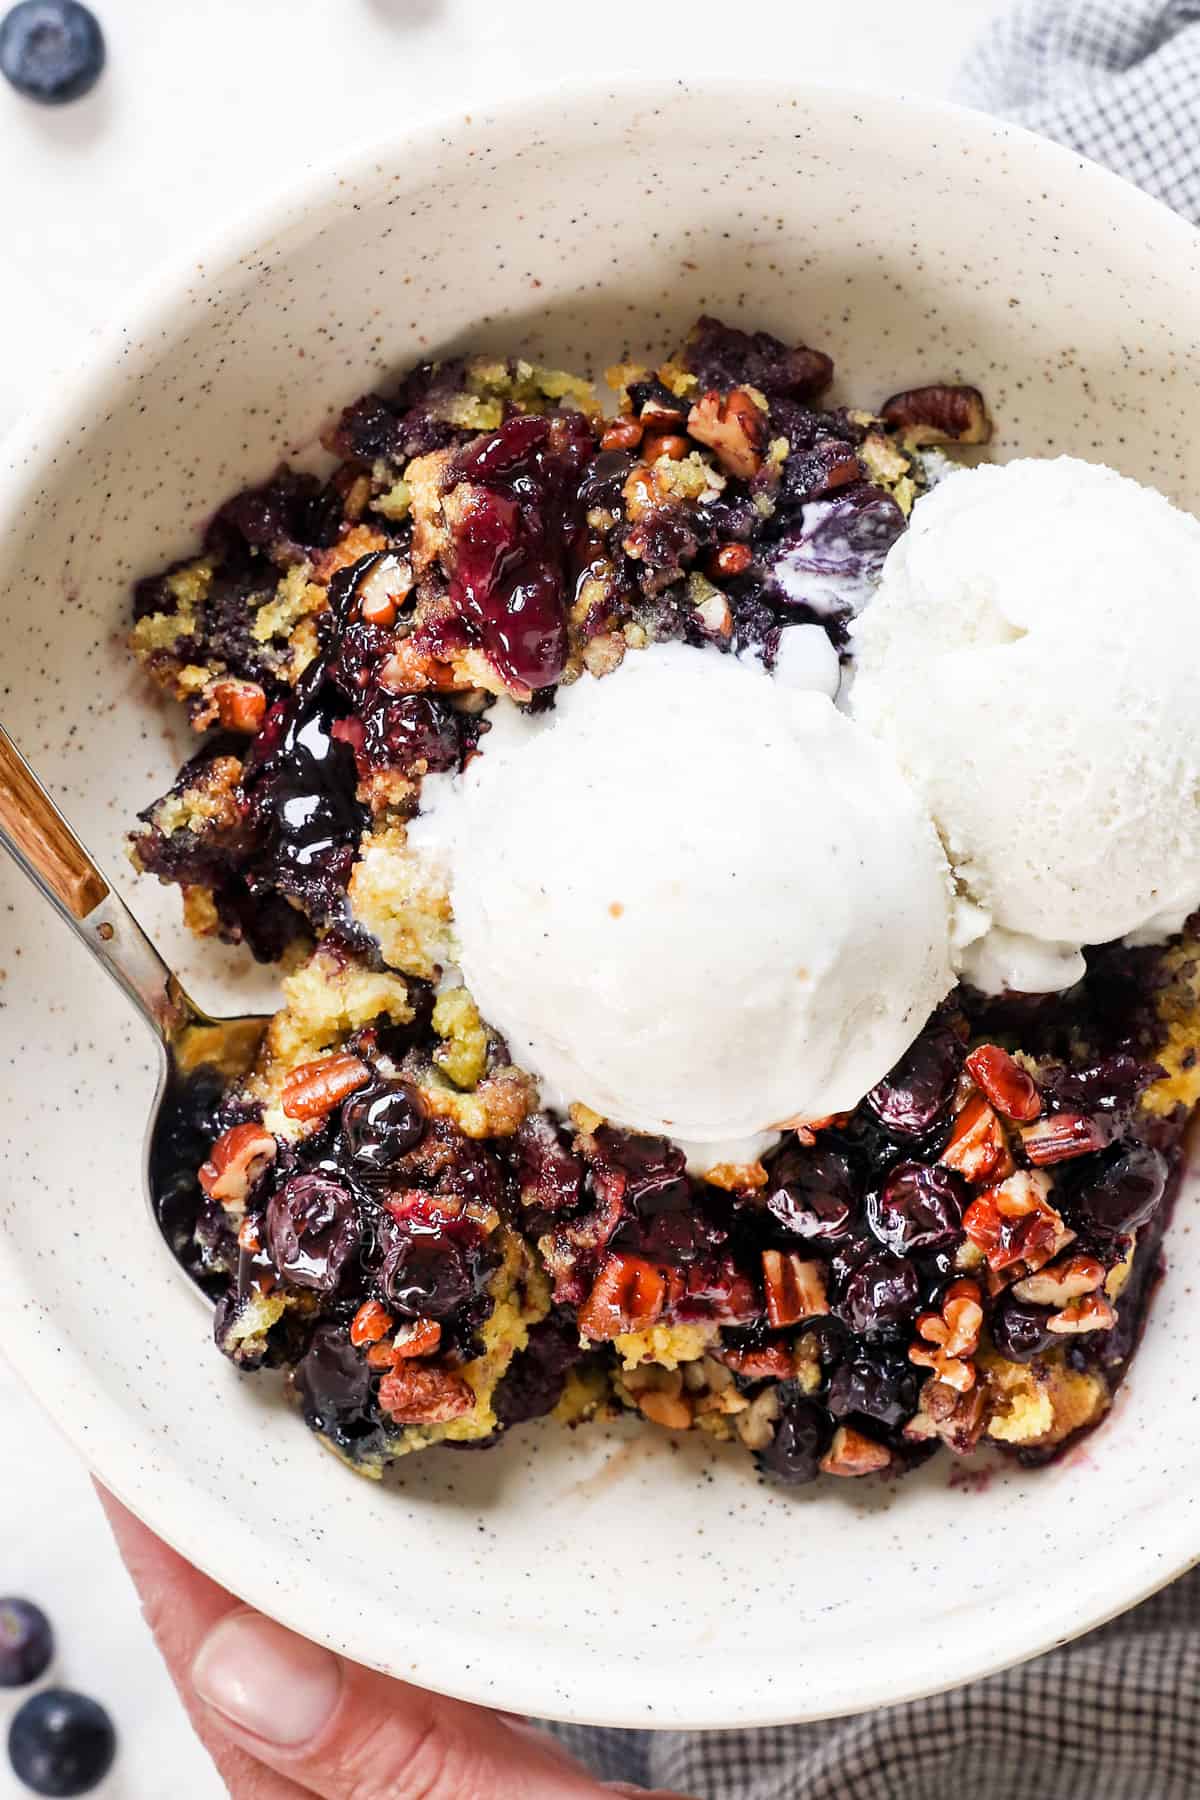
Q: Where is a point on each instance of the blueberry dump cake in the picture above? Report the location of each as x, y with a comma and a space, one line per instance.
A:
731, 872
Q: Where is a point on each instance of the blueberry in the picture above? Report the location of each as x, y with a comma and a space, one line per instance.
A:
1019, 1330
26, 1642
811, 1193
801, 1438
333, 1384
383, 1123
912, 1097
884, 1390
312, 1231
61, 1743
919, 1207
51, 50
1123, 1192
880, 1292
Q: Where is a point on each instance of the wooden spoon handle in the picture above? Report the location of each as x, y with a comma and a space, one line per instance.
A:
38, 835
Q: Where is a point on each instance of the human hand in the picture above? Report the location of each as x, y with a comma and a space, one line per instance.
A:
283, 1718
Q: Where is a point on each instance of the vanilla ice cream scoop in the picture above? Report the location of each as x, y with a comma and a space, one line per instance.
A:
1032, 658
698, 900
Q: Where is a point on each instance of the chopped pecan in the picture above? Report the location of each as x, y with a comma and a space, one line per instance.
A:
1061, 1282
315, 1088
674, 1411
1015, 1226
954, 1335
939, 414
978, 1148
1090, 1312
850, 1453
1059, 1136
668, 443
731, 559
628, 1294
795, 1289
235, 706
235, 1162
944, 1413
734, 427
622, 434
756, 1426
370, 1323
771, 1362
1009, 1088
416, 1394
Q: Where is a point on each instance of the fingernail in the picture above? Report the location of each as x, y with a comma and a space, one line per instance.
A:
266, 1680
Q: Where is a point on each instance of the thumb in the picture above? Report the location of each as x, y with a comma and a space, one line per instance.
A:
340, 1731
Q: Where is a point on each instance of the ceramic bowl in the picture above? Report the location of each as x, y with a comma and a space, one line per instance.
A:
612, 1576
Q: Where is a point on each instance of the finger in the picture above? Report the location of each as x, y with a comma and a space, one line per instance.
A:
344, 1733
181, 1608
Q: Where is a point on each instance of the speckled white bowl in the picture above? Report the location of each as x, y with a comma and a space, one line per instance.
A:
614, 1577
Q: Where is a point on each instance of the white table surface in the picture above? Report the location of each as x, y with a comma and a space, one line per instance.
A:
202, 110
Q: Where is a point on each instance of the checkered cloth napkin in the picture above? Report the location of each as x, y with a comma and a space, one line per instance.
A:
1115, 1716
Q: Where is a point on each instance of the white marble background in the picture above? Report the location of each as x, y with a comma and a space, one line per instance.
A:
201, 111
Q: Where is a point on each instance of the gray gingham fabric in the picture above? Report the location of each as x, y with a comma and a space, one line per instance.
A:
1115, 1716
1117, 80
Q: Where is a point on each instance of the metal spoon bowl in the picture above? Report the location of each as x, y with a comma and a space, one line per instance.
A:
199, 1055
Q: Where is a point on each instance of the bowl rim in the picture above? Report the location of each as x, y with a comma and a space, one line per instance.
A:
167, 1500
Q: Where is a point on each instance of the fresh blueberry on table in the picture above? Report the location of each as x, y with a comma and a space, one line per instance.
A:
51, 50
26, 1642
61, 1743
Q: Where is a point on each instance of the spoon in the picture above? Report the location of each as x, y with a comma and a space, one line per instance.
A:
199, 1055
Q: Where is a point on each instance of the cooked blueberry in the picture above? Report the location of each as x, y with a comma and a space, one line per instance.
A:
841, 544
1019, 1330
51, 50
427, 1273
911, 1099
1123, 1192
382, 1123
801, 1437
883, 1389
26, 1642
919, 1207
333, 1384
811, 1193
880, 1292
61, 1743
312, 1231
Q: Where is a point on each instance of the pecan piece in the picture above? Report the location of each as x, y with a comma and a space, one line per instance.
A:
1015, 1226
1006, 1084
956, 1418
236, 706
938, 414
1091, 1312
1061, 1282
795, 1289
978, 1148
674, 1411
1062, 1135
731, 559
628, 1294
954, 1336
315, 1088
622, 434
734, 427
772, 1362
850, 1453
415, 1394
235, 1163
669, 443
370, 1323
